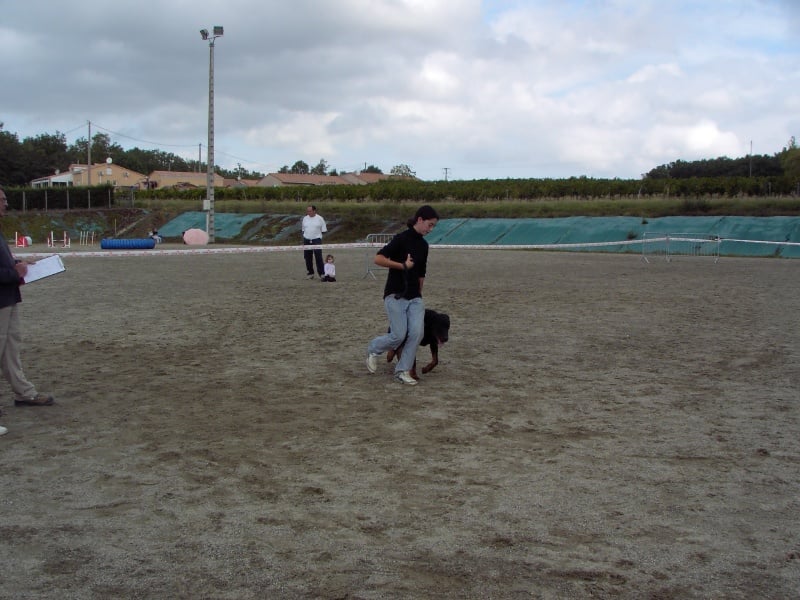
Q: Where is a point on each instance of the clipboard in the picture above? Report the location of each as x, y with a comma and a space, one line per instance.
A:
45, 267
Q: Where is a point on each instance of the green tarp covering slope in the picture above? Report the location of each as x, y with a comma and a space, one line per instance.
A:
771, 232
226, 225
597, 230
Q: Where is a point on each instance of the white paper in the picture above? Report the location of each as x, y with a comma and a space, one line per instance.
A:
44, 268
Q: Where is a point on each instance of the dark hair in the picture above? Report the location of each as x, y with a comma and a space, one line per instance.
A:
425, 213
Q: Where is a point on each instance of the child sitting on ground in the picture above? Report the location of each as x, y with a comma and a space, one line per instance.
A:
330, 269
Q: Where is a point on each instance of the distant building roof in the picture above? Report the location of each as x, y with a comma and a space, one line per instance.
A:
367, 178
164, 179
236, 182
277, 179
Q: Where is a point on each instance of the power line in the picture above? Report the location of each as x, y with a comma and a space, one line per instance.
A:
240, 158
81, 126
143, 141
162, 144
246, 160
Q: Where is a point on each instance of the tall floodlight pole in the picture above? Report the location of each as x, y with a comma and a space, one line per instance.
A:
217, 32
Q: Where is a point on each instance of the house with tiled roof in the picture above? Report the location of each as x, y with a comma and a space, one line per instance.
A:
105, 173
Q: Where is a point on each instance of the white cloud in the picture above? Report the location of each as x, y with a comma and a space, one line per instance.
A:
656, 73
702, 139
488, 89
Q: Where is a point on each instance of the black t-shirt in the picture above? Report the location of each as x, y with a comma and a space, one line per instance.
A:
406, 282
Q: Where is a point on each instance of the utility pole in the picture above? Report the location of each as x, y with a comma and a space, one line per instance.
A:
446, 169
217, 31
751, 158
89, 156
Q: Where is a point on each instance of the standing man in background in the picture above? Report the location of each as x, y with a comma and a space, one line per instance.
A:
12, 274
313, 228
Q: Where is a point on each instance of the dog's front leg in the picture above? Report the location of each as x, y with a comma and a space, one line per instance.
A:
391, 354
413, 371
434, 358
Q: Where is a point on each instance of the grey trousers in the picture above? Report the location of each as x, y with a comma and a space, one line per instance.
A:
10, 346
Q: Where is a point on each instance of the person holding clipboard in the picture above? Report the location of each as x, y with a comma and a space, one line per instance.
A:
12, 275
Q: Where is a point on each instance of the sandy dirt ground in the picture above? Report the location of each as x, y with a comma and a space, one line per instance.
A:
598, 427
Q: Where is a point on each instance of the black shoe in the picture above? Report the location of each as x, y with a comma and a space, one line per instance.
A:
37, 400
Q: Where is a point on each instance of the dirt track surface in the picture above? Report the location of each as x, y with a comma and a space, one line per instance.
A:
597, 427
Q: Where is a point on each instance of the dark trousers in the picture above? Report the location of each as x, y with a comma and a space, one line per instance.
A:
317, 254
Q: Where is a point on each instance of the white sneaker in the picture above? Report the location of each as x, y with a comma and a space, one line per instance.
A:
404, 377
3, 430
372, 362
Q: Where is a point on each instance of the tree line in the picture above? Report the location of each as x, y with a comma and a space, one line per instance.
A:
321, 168
39, 156
23, 161
409, 190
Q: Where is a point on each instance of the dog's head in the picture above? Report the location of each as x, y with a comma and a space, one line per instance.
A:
440, 327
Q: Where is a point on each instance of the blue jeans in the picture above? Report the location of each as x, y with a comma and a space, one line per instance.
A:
406, 318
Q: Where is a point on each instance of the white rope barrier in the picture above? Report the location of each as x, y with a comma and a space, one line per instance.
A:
197, 251
261, 249
769, 243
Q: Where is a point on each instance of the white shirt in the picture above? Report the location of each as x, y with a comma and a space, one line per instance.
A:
313, 227
330, 269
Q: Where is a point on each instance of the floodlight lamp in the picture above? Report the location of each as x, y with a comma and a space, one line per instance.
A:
217, 29
204, 34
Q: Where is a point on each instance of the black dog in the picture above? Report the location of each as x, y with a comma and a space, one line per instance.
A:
437, 332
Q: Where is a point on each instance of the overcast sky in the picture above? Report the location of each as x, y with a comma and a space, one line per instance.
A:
463, 89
